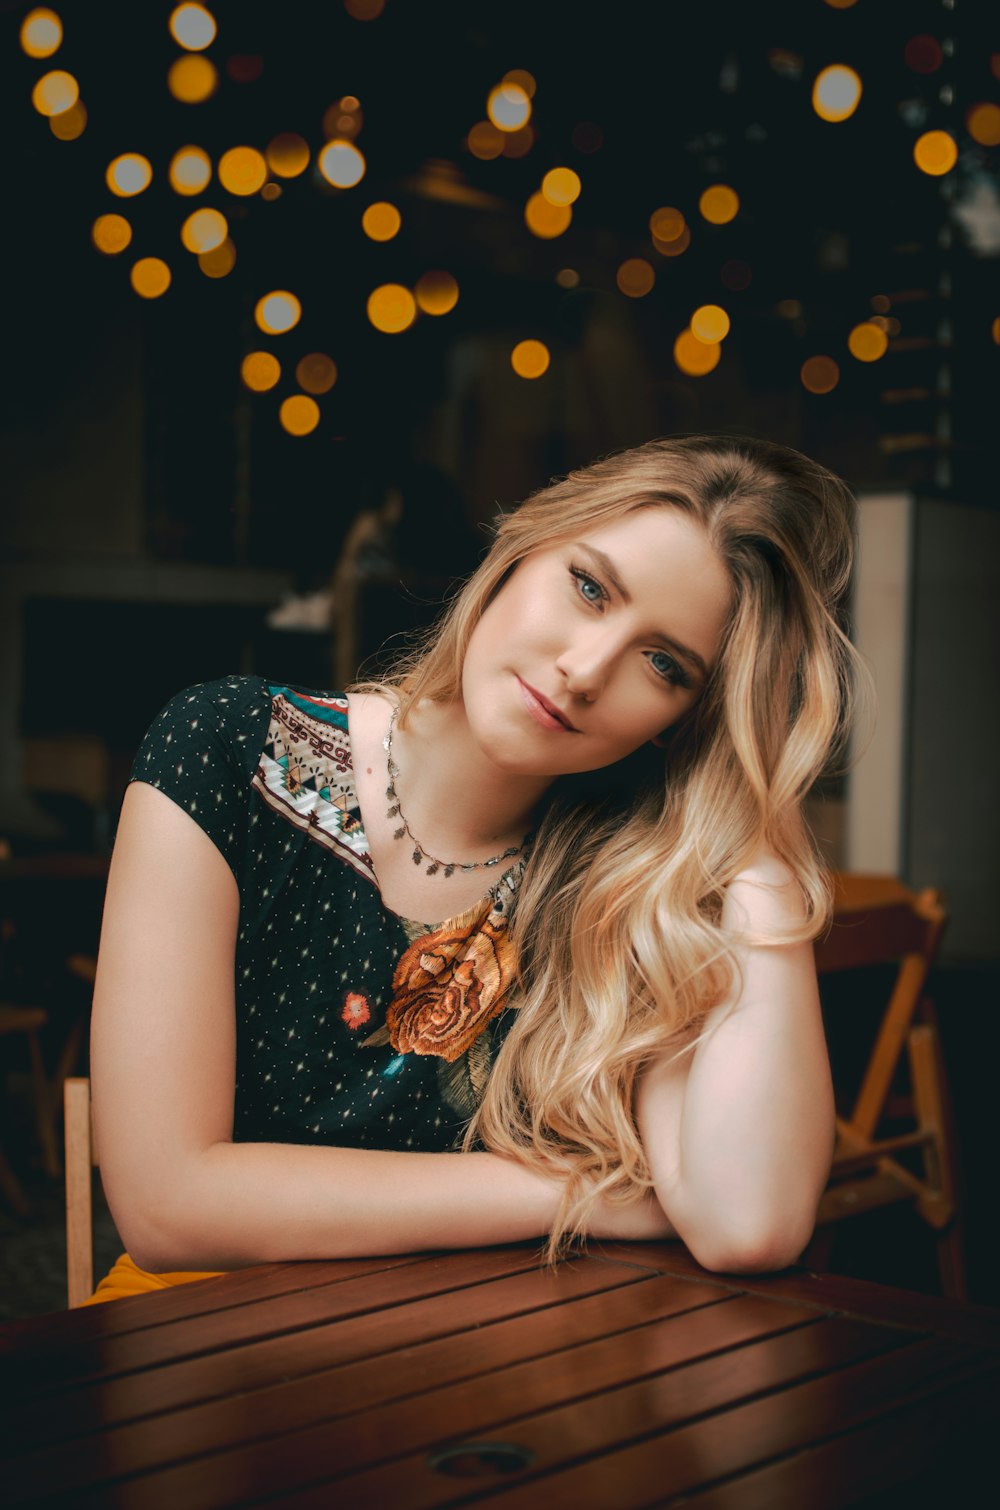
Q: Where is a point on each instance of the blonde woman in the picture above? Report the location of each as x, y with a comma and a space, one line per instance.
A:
516, 943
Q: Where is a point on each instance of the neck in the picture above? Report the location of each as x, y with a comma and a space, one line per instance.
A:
457, 803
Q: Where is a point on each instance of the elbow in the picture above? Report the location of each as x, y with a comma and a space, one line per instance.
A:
760, 1249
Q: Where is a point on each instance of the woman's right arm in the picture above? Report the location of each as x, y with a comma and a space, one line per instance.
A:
163, 1051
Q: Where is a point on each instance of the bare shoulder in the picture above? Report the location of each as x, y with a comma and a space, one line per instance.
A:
764, 898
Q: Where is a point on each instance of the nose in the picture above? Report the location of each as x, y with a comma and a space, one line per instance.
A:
585, 665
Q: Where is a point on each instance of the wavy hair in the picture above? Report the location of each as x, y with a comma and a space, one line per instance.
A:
621, 949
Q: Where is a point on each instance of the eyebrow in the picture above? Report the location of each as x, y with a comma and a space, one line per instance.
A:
611, 572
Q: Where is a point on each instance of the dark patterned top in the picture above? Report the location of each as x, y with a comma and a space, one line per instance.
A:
355, 1026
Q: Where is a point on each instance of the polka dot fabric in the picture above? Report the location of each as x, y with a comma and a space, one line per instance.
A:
266, 772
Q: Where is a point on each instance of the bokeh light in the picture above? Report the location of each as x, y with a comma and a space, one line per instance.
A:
277, 312
568, 277
519, 143
635, 277
935, 153
69, 124
667, 224
710, 324
694, 357
190, 170
391, 308
561, 186
436, 292
260, 371
485, 141
41, 33
192, 79
316, 373
111, 234
150, 277
719, 204
995, 330
55, 92
819, 374
836, 92
868, 341
673, 248
982, 122
129, 174
546, 220
923, 54
381, 221
508, 107
880, 303
341, 164
299, 414
288, 154
204, 230
344, 118
364, 10
220, 261
523, 79
193, 27
242, 170
530, 359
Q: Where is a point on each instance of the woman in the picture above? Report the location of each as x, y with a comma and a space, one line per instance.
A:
615, 724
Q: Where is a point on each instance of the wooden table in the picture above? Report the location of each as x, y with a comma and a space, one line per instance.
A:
628, 1377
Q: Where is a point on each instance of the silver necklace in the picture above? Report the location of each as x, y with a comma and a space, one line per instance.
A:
420, 854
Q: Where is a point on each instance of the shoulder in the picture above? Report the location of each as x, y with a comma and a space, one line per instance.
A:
764, 898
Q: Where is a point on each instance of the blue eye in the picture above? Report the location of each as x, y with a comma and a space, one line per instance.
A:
669, 669
585, 581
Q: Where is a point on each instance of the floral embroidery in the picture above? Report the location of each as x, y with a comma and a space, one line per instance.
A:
356, 1010
450, 984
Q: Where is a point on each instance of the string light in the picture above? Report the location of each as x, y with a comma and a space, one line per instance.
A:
935, 153
193, 27
129, 174
242, 170
391, 308
150, 277
719, 204
836, 92
220, 261
260, 371
381, 221
710, 324
508, 107
288, 155
561, 186
530, 359
277, 312
204, 231
436, 292
819, 374
341, 164
41, 33
111, 234
55, 92
546, 220
192, 79
190, 170
635, 277
316, 373
299, 414
69, 124
696, 358
868, 341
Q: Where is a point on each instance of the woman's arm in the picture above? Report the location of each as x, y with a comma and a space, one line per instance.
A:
740, 1133
182, 1194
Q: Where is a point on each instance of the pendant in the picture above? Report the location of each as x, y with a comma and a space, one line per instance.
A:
398, 833
417, 856
432, 870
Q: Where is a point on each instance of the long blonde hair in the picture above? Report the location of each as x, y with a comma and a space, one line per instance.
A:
621, 951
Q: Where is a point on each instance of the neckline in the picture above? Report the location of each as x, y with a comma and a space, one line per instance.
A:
455, 918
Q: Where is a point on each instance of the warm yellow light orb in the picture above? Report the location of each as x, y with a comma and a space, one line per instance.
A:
546, 220
436, 292
242, 170
868, 341
288, 155
260, 371
111, 234
836, 92
667, 224
316, 373
129, 174
299, 414
220, 261
568, 277
983, 124
635, 277
485, 141
509, 107
523, 79
204, 231
341, 164
192, 79
519, 143
819, 374
41, 33
277, 312
673, 248
719, 204
530, 359
69, 124
391, 308
193, 27
55, 92
190, 170
150, 277
561, 186
710, 323
381, 221
935, 153
696, 358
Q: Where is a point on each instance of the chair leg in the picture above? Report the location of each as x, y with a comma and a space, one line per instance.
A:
940, 1159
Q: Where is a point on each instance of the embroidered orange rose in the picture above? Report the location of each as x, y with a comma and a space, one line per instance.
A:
356, 1009
449, 986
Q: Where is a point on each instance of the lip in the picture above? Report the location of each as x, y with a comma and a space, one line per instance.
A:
543, 711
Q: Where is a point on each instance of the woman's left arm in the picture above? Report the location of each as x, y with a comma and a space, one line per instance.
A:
739, 1134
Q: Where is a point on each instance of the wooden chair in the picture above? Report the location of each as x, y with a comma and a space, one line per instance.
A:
81, 1159
880, 921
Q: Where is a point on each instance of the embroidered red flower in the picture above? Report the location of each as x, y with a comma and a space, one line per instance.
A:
449, 985
356, 1009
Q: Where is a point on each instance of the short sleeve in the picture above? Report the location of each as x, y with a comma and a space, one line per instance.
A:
202, 750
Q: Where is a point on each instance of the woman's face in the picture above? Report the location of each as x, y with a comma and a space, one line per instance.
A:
594, 647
